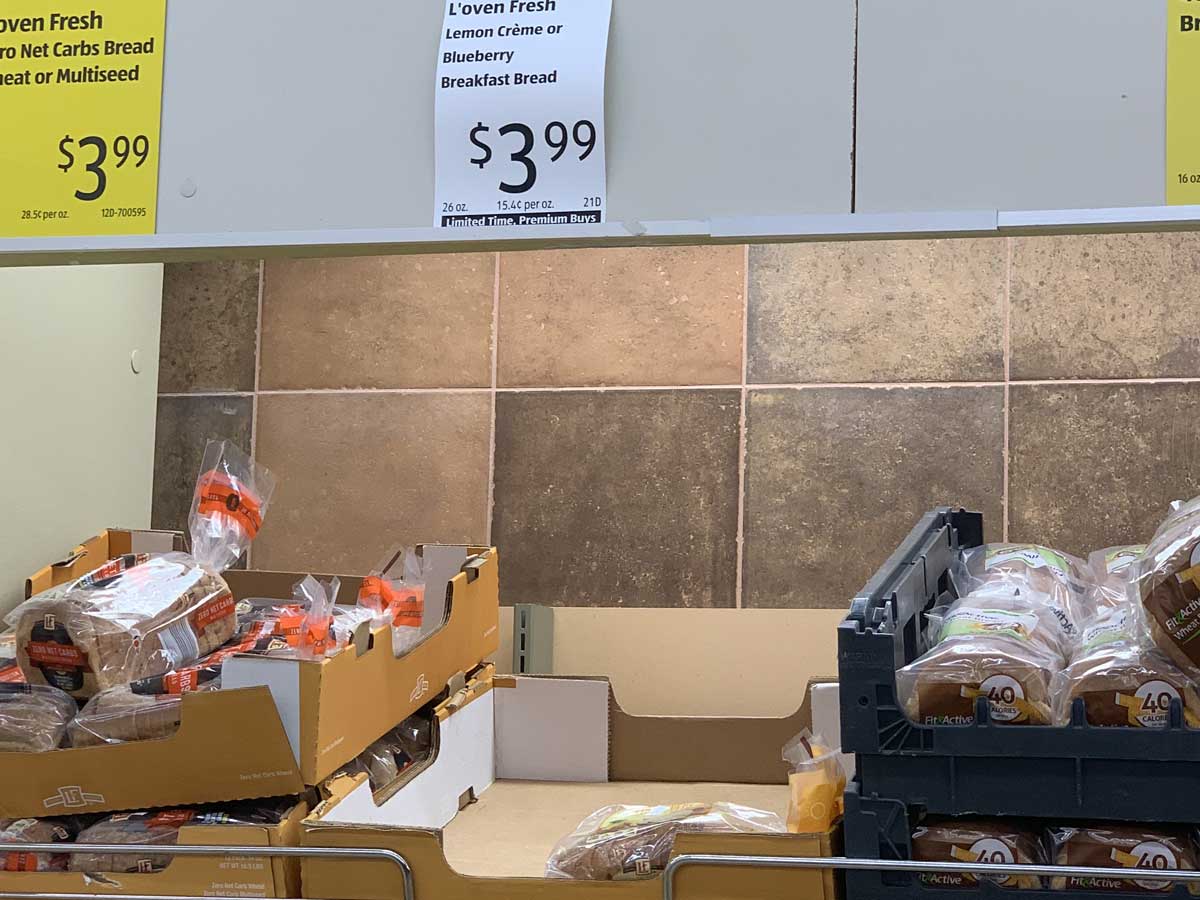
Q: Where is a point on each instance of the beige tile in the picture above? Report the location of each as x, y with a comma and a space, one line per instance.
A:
209, 326
877, 311
1094, 465
378, 322
658, 316
836, 477
359, 473
622, 498
1106, 306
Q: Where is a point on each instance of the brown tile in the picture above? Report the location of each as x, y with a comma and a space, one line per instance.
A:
617, 498
209, 326
184, 425
360, 473
658, 316
1094, 465
836, 477
877, 311
378, 322
1106, 306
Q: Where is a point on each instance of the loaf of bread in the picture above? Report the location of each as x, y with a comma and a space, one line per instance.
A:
161, 827
33, 717
134, 618
1055, 579
1168, 586
1111, 572
997, 644
635, 841
1121, 846
34, 831
988, 841
1122, 678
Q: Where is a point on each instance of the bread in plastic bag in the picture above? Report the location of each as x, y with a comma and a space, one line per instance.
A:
987, 841
1167, 580
34, 831
33, 717
816, 783
386, 759
1123, 678
124, 713
394, 593
140, 616
997, 643
1059, 581
161, 827
635, 841
1111, 573
1141, 847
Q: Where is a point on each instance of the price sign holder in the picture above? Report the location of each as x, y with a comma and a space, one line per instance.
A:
519, 129
81, 93
1183, 99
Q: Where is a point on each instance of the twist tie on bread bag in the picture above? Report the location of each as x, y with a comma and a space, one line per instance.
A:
314, 636
231, 499
816, 783
395, 595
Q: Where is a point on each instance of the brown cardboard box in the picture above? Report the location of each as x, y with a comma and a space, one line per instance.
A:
192, 876
537, 755
277, 724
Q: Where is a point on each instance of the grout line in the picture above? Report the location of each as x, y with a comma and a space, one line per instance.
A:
172, 394
438, 390
262, 268
750, 386
491, 494
1004, 505
741, 504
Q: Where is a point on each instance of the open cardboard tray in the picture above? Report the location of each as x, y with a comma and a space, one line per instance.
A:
278, 724
190, 876
538, 754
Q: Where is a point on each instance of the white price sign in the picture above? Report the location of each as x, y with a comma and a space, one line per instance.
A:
520, 113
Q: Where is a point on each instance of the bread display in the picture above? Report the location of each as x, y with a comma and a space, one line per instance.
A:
1121, 846
997, 643
634, 841
33, 717
992, 842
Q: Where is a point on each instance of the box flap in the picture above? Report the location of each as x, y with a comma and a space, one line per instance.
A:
682, 748
552, 729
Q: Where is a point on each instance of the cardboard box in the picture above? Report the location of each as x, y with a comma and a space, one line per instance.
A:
192, 876
538, 754
278, 724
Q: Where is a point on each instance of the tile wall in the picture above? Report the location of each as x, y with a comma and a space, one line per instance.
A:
708, 427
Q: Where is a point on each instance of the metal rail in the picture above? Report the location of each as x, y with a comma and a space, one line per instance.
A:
376, 853
908, 865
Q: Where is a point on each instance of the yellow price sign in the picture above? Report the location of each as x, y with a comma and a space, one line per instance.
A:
81, 93
1183, 100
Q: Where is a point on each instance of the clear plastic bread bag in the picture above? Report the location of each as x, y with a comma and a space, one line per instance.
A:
816, 783
1166, 585
397, 598
34, 831
998, 643
1122, 677
635, 841
33, 717
140, 615
1139, 848
974, 840
1112, 572
1051, 577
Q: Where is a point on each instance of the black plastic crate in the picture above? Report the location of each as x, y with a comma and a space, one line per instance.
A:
1076, 771
881, 828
